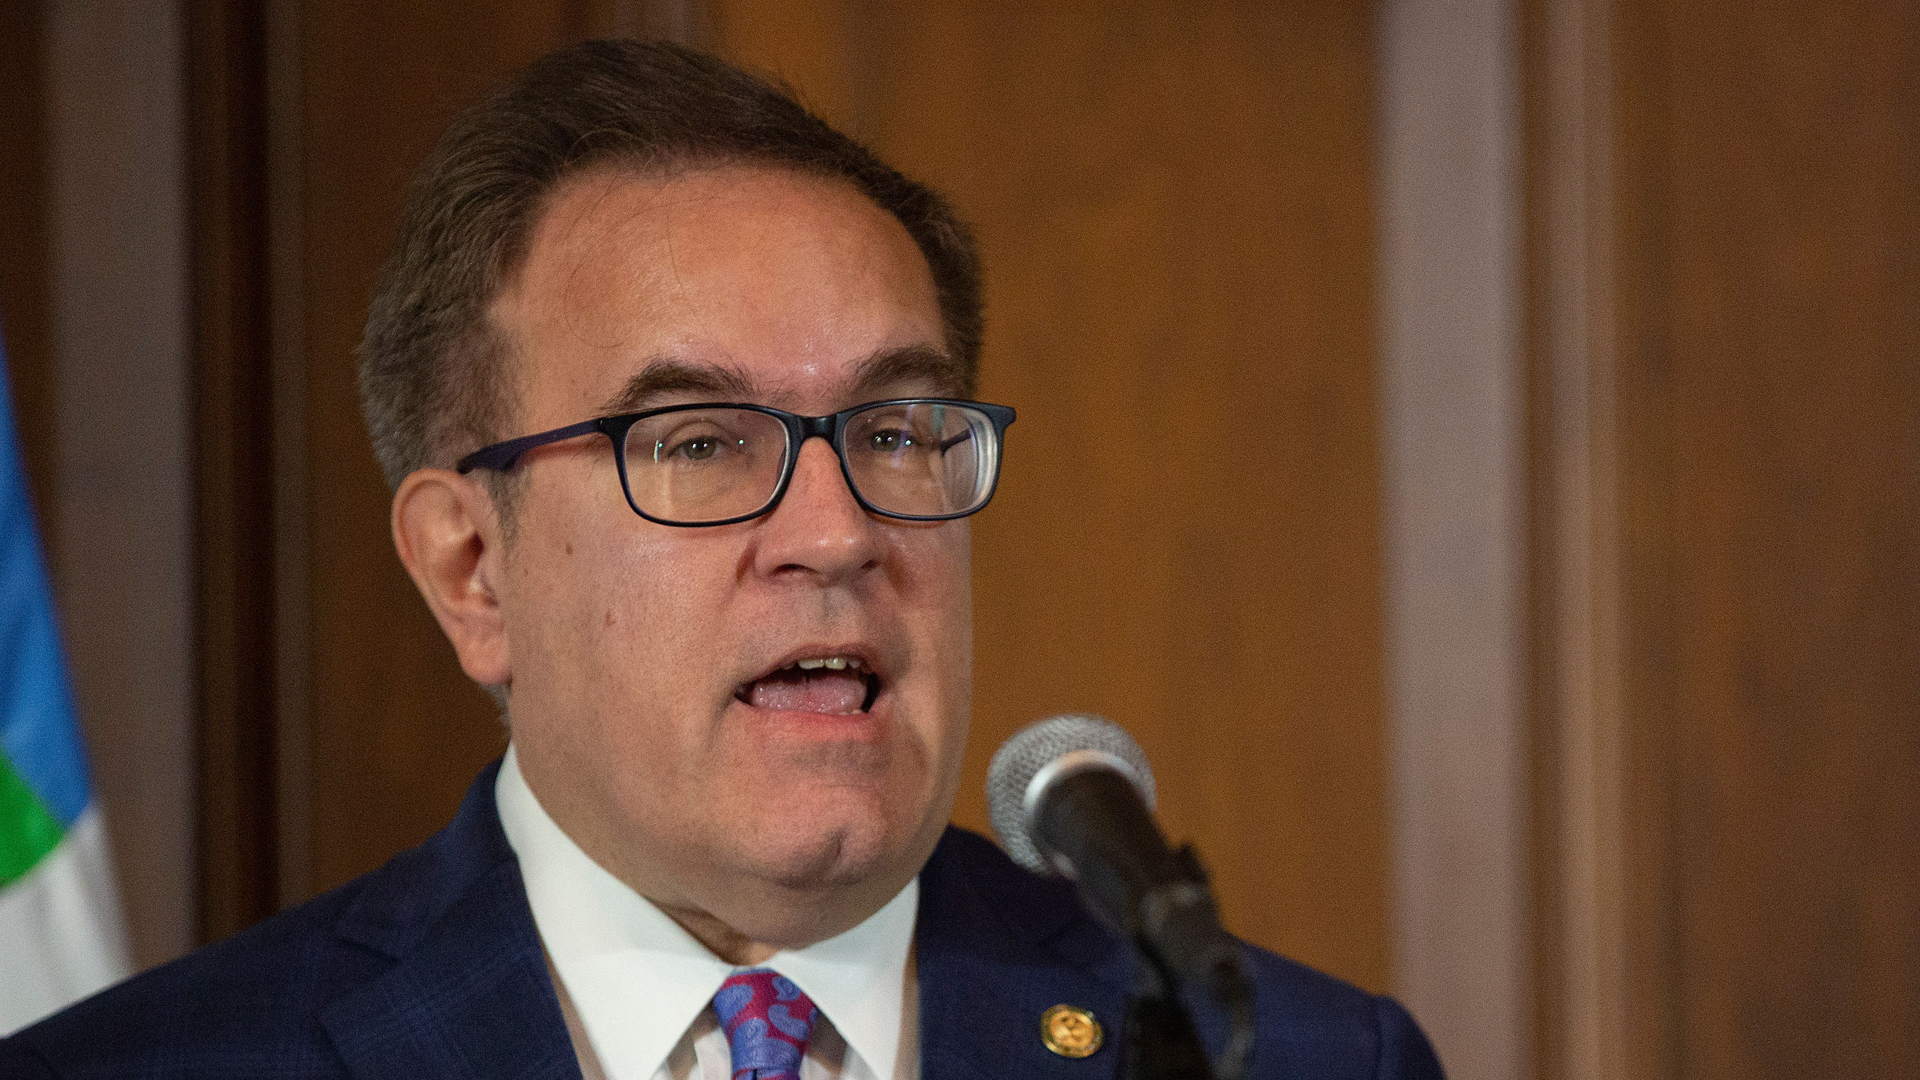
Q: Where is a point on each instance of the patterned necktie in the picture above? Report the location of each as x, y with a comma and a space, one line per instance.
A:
768, 1022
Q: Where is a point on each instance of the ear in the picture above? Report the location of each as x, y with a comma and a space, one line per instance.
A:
448, 536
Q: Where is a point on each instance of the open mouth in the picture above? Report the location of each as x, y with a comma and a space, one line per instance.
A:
832, 685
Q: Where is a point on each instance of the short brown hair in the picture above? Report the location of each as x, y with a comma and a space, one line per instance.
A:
431, 365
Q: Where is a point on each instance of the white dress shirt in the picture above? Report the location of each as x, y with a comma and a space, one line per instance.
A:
637, 990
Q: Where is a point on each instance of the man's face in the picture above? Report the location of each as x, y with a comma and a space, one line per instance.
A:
656, 702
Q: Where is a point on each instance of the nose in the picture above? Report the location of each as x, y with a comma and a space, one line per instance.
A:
819, 529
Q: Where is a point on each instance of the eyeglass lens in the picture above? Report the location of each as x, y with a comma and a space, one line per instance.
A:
917, 460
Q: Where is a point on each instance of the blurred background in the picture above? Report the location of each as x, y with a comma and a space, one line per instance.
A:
1504, 535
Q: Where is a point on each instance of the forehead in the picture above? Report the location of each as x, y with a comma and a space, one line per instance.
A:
783, 284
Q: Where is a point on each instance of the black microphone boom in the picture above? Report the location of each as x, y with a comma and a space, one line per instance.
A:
1073, 794
1094, 821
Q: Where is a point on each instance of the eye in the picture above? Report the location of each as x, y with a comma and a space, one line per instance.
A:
698, 449
890, 440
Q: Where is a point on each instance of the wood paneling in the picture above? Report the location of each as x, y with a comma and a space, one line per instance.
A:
1551, 100
1174, 209
1784, 653
1762, 205
234, 412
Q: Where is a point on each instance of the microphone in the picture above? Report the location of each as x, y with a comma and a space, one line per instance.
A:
1073, 795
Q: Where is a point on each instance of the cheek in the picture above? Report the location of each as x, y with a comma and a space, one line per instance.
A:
604, 612
938, 583
933, 567
952, 580
650, 614
623, 668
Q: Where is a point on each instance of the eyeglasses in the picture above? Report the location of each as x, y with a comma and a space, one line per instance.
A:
917, 459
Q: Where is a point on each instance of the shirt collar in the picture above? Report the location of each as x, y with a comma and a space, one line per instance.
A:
638, 980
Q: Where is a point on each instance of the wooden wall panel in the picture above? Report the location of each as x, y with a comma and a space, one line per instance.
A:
1174, 208
1790, 377
1758, 251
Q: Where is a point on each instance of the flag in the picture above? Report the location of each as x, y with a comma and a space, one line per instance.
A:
61, 935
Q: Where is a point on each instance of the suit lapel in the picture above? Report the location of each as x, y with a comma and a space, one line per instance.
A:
991, 959
469, 995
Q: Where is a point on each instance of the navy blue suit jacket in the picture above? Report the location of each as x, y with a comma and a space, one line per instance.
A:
430, 967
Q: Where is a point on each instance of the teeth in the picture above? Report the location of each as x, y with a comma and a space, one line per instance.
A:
831, 663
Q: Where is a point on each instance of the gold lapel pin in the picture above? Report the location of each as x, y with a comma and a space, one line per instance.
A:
1070, 1031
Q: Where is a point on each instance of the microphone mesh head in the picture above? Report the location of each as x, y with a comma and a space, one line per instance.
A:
1032, 749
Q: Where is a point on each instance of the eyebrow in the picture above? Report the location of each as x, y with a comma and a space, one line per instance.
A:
666, 375
877, 373
909, 363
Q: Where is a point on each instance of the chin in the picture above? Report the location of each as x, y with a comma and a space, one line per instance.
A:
831, 844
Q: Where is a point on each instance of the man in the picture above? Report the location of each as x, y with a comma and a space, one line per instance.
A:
628, 292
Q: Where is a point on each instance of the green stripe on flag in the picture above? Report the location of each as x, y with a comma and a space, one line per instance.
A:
27, 830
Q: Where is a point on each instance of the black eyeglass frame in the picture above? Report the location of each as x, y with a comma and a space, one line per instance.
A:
502, 456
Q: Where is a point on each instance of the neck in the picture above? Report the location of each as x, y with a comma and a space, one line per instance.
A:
727, 943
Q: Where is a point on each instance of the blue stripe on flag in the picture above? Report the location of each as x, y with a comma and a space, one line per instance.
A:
38, 732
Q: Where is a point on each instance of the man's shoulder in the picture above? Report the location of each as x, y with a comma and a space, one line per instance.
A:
1048, 911
257, 1003
1339, 1027
1309, 1022
233, 1007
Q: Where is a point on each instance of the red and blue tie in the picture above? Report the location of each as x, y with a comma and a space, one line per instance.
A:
768, 1022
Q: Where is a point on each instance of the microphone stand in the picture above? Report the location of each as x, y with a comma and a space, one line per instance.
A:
1157, 1038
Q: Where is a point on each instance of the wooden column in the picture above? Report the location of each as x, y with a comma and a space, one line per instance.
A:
234, 426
